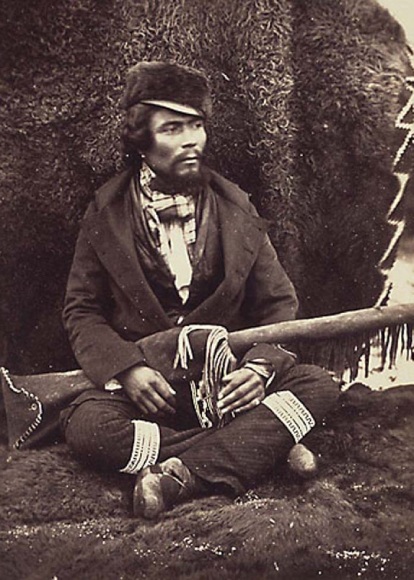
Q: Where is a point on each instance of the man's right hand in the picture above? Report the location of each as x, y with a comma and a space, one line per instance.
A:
148, 389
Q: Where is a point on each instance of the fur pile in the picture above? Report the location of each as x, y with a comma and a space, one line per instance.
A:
353, 520
306, 95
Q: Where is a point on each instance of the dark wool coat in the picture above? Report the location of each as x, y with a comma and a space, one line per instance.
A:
109, 304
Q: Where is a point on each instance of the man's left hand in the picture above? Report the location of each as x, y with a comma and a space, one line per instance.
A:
242, 390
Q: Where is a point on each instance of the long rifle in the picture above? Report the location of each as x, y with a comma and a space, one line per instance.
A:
33, 402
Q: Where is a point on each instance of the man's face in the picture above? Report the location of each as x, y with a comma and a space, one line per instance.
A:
178, 142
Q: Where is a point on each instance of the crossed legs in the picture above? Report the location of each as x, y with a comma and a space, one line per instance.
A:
107, 432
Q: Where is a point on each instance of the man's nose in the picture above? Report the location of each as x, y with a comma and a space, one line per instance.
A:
192, 137
189, 138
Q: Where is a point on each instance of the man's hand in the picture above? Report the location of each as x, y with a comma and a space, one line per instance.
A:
148, 389
242, 390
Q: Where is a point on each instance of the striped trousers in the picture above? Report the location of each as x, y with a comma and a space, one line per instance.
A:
106, 431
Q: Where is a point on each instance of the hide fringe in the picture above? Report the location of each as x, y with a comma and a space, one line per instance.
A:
359, 354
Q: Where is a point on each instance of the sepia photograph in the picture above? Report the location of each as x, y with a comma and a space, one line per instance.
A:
206, 289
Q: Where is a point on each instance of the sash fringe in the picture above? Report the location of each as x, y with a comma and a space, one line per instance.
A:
219, 361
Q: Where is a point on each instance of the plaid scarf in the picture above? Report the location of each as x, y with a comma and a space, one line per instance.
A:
171, 222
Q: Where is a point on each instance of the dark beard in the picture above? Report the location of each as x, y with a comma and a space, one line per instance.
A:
186, 185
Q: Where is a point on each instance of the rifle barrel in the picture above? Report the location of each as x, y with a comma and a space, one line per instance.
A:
324, 327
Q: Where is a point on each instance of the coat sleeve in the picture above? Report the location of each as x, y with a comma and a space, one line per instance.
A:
100, 351
270, 298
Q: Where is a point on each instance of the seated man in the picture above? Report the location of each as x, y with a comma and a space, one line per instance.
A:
170, 243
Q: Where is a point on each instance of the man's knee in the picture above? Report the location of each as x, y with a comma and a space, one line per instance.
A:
98, 434
316, 387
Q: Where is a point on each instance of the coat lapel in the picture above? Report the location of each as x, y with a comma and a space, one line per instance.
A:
111, 235
241, 235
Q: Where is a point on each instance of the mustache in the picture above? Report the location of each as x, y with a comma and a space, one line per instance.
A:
184, 156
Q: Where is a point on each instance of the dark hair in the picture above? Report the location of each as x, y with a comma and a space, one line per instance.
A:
135, 132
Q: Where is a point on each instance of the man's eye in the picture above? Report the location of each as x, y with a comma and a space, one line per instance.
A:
172, 129
199, 124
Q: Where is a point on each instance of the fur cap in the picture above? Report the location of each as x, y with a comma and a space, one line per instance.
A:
169, 85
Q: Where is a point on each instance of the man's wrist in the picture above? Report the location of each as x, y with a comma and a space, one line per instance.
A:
118, 382
263, 368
